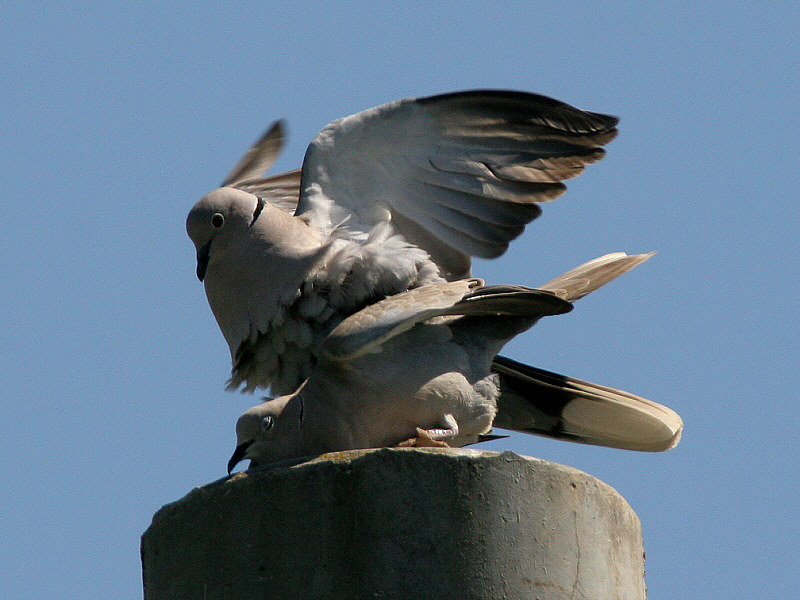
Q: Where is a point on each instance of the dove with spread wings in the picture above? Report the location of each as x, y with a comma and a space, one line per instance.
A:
388, 200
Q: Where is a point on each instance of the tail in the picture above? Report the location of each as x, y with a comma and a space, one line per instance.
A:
586, 278
539, 402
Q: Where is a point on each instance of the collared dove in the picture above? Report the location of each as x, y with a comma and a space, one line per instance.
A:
422, 365
389, 199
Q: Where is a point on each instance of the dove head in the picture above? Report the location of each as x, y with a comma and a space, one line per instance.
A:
228, 218
250, 254
268, 432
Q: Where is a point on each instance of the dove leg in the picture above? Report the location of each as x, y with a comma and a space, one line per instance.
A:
437, 437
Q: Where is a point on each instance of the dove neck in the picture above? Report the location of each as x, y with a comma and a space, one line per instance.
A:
306, 428
324, 426
286, 233
245, 295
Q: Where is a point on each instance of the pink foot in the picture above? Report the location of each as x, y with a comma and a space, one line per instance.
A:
428, 438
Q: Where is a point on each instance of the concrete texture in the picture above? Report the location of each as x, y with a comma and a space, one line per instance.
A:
398, 523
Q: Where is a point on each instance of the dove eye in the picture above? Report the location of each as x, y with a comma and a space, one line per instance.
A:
217, 220
267, 422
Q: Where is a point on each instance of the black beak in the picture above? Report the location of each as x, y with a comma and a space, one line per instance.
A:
238, 455
202, 260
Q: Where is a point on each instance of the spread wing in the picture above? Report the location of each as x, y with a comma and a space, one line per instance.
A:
282, 190
458, 174
364, 331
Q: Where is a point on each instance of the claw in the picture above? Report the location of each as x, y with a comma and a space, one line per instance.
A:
428, 438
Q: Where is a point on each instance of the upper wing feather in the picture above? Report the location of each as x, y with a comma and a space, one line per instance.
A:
282, 190
258, 158
372, 326
378, 322
586, 278
460, 174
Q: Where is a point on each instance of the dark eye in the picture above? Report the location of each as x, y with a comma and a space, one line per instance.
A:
217, 220
267, 422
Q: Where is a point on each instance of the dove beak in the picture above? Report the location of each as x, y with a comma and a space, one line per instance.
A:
238, 455
202, 260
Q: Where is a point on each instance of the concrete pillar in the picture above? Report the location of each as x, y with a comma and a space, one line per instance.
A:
398, 524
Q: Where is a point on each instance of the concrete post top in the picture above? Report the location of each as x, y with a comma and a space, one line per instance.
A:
408, 461
432, 522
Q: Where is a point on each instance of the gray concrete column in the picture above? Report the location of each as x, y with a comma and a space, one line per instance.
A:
408, 524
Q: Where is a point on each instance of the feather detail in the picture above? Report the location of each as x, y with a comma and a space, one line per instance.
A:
349, 276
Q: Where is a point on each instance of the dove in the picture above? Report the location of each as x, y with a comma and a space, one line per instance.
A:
421, 368
390, 199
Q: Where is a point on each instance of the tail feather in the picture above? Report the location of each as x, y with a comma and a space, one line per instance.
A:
589, 276
543, 403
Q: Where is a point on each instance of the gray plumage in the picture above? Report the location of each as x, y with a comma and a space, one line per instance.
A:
427, 359
390, 199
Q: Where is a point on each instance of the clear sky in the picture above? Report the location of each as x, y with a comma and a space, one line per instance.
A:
117, 117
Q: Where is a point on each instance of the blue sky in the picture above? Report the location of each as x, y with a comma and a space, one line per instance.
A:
116, 117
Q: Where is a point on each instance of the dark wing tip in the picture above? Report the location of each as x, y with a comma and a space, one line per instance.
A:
564, 115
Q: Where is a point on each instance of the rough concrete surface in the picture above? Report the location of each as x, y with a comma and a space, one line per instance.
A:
398, 523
